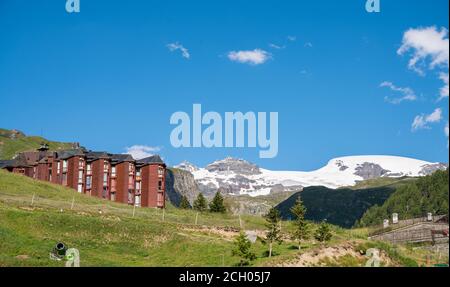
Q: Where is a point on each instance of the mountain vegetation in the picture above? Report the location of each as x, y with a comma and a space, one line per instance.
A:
415, 199
13, 142
342, 207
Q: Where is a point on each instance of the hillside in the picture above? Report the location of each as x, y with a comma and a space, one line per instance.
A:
415, 199
259, 205
13, 142
34, 216
342, 207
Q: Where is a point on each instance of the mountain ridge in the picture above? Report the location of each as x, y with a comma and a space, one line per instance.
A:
239, 177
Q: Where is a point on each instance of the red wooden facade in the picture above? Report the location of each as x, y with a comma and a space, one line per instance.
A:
118, 178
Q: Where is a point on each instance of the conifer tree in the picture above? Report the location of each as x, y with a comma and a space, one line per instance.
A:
216, 204
184, 203
273, 233
302, 229
200, 203
323, 232
242, 248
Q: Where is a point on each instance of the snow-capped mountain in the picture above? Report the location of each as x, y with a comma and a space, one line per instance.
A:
238, 177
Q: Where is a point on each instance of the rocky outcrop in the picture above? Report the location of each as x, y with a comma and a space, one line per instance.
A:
180, 183
370, 170
237, 166
431, 168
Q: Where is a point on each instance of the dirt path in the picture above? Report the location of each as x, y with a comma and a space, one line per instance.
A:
317, 256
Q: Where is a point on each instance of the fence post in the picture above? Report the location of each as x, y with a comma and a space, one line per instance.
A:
163, 214
73, 202
196, 218
134, 209
32, 199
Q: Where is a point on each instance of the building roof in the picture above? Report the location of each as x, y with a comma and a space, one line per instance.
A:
66, 154
154, 159
95, 155
118, 158
8, 163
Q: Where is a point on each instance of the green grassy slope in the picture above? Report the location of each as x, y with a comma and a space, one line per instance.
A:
12, 143
107, 233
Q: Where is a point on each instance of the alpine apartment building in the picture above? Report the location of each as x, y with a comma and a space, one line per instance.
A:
115, 177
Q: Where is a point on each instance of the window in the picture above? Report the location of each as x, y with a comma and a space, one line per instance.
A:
80, 188
138, 185
113, 196
88, 182
58, 167
80, 175
105, 192
137, 200
105, 166
160, 199
105, 179
64, 165
130, 196
138, 172
81, 163
113, 171
88, 167
160, 185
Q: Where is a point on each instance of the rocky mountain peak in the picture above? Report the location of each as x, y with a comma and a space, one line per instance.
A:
234, 165
187, 166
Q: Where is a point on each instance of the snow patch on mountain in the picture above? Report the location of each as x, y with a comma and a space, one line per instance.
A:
239, 177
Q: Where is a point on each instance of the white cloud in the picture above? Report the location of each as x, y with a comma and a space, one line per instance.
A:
255, 57
292, 38
408, 93
275, 46
422, 121
426, 43
177, 46
446, 133
141, 151
444, 90
308, 45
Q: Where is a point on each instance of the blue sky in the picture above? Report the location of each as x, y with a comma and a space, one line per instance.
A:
105, 77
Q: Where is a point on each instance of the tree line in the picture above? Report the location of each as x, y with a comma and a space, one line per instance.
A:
426, 194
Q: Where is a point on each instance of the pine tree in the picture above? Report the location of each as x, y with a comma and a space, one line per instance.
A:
273, 228
323, 233
302, 229
200, 203
216, 204
242, 248
184, 203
